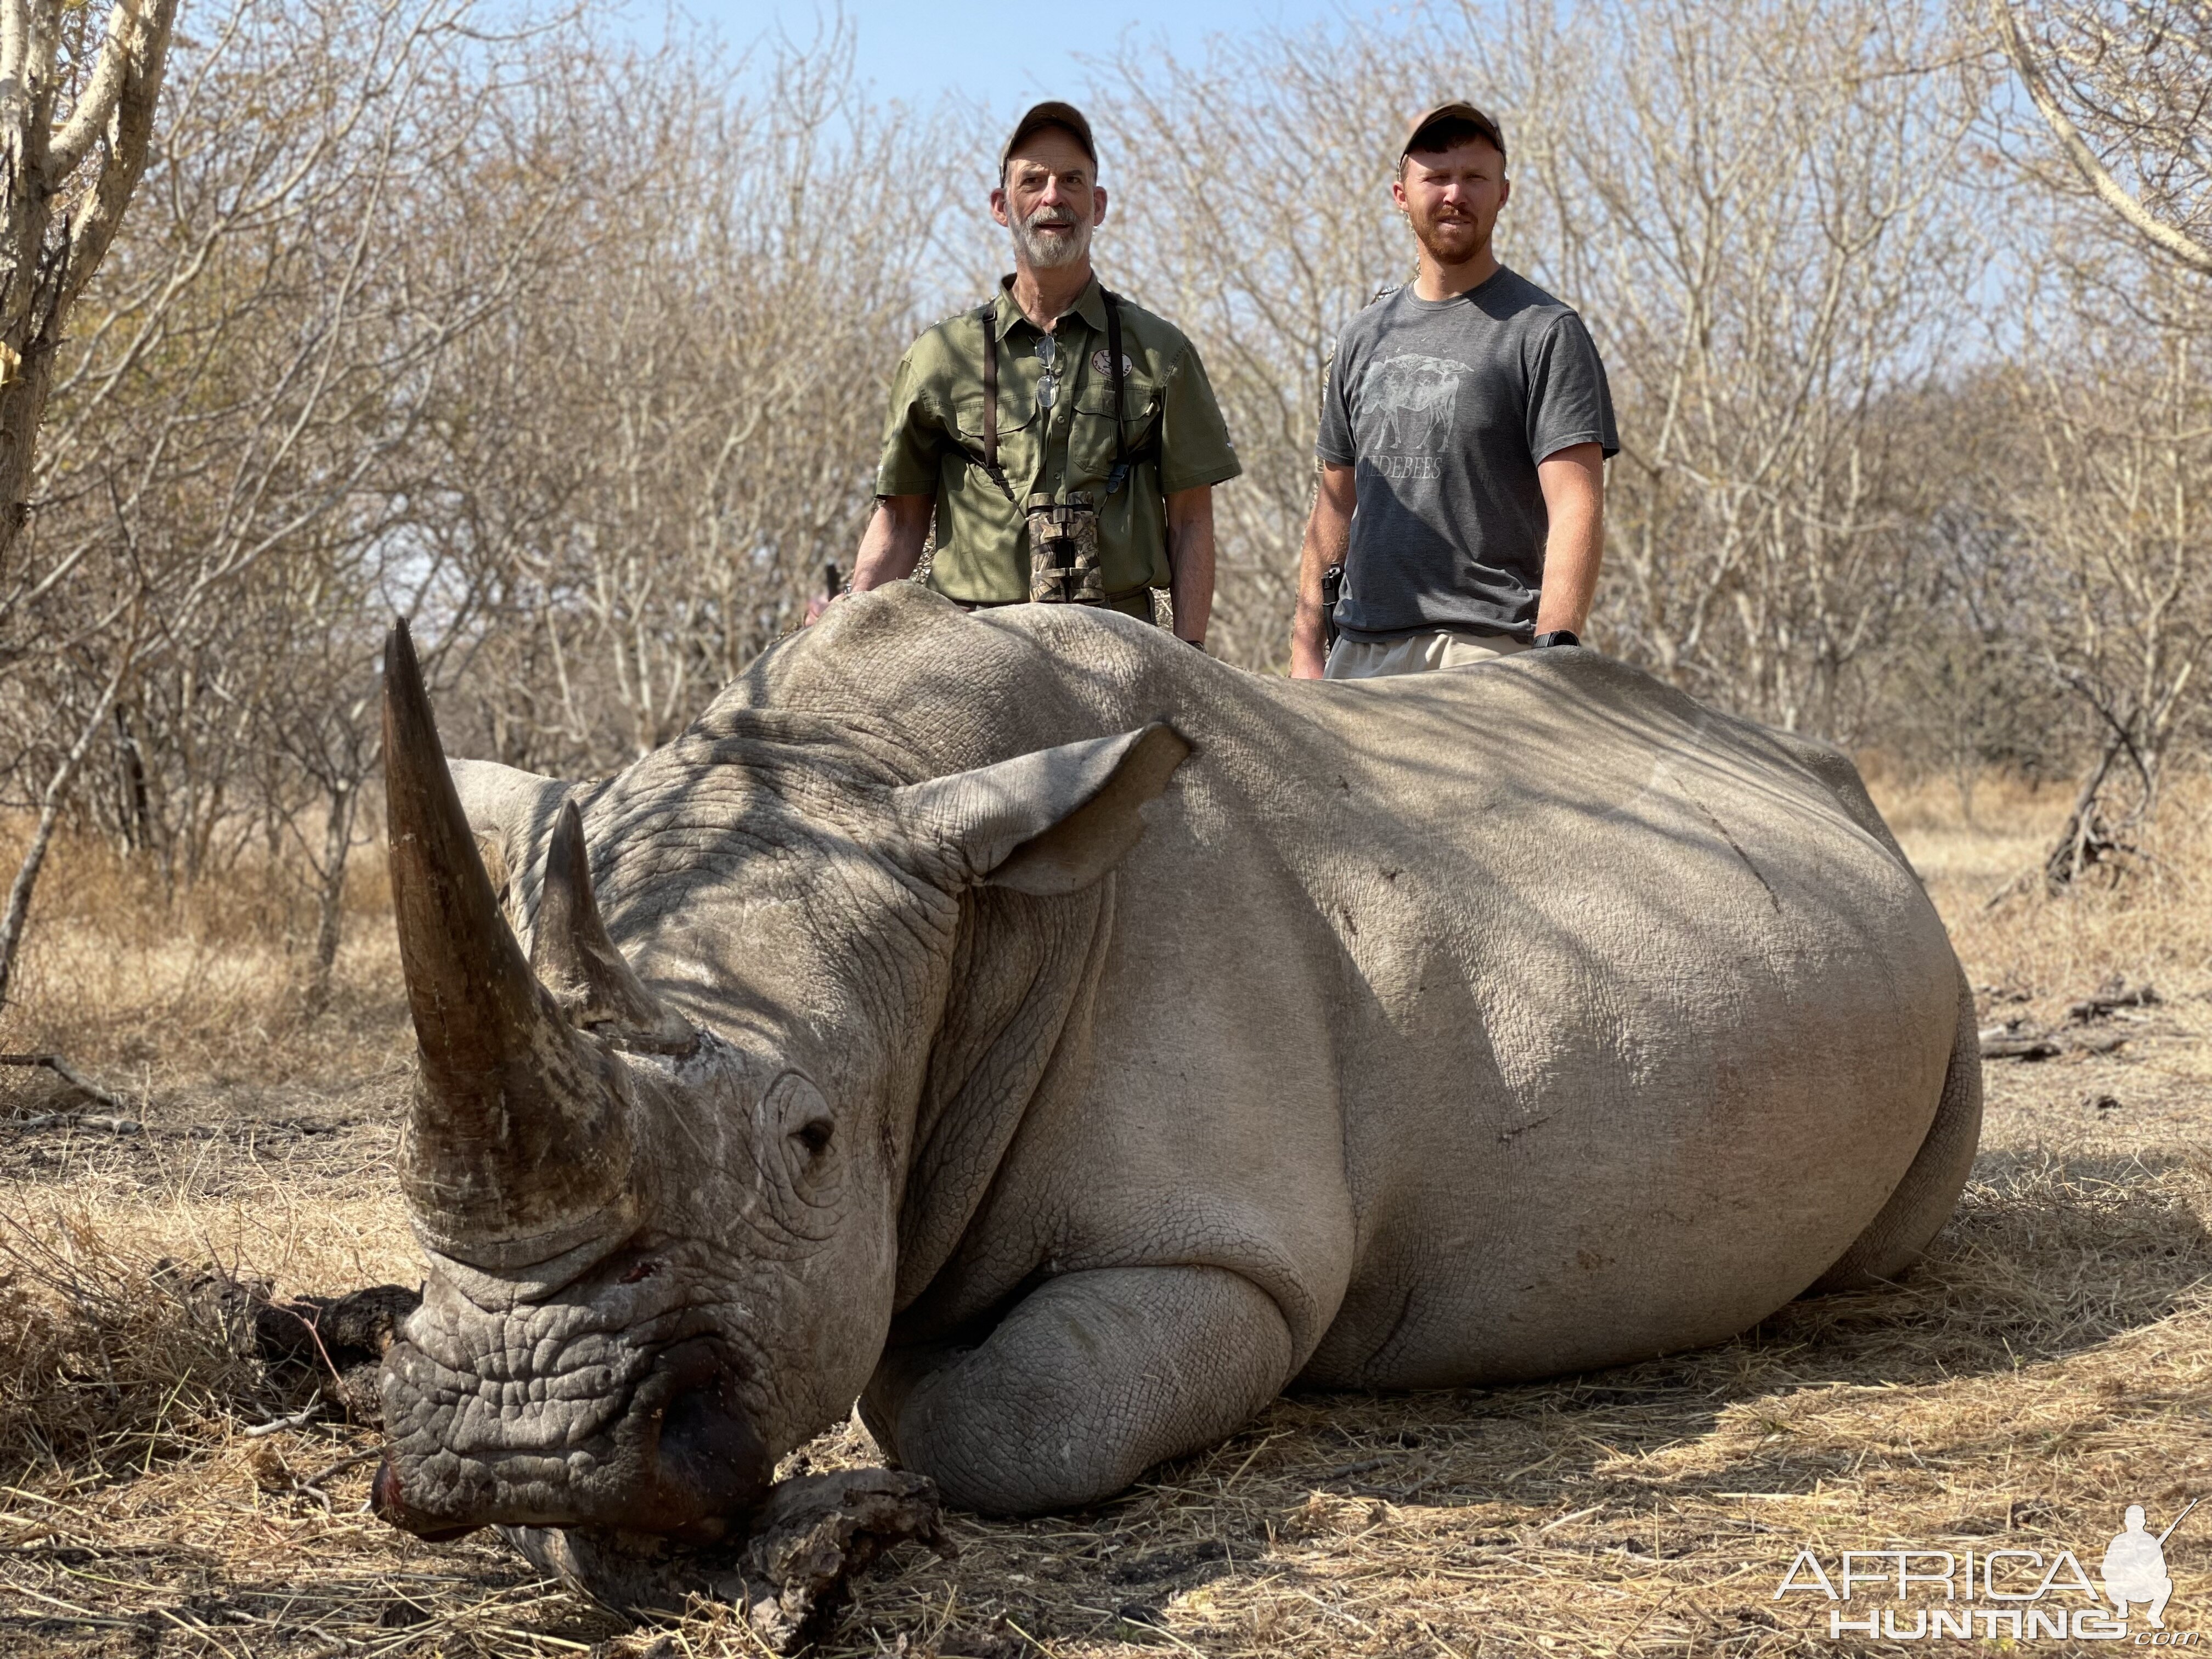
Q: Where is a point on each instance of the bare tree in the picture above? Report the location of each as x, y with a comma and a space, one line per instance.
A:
1764, 297
246, 379
65, 179
61, 213
1960, 684
2125, 88
1263, 263
688, 403
2112, 394
2115, 418
1757, 204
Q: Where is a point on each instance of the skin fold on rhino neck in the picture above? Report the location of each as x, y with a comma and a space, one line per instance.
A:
1025, 971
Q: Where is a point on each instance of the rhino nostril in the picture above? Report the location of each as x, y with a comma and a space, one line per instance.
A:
710, 1453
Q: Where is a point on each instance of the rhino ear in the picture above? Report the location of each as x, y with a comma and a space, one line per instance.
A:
1055, 821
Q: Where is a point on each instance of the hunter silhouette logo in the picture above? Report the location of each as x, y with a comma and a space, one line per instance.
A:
2019, 1594
2134, 1566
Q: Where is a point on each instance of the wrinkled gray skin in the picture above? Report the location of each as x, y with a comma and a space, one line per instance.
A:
1453, 1029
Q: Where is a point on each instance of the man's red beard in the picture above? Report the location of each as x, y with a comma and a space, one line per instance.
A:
1463, 244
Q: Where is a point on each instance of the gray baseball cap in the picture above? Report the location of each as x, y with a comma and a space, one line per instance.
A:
1457, 110
1051, 113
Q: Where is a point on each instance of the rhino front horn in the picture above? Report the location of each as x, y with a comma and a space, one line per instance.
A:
517, 1144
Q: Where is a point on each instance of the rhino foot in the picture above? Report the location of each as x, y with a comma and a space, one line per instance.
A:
792, 1573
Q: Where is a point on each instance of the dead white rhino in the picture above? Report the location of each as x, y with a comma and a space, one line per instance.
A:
1063, 1042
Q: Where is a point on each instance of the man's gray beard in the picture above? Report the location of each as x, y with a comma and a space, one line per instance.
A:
1049, 249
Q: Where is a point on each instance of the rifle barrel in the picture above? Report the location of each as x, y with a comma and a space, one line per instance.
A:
2179, 1519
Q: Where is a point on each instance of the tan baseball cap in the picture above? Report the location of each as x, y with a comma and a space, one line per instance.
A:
1051, 113
1455, 111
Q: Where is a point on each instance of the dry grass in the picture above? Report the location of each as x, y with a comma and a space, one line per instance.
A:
2046, 1367
2157, 921
111, 1367
197, 993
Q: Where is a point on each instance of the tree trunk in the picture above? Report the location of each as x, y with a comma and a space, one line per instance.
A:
2080, 843
43, 265
330, 900
12, 920
136, 807
23, 387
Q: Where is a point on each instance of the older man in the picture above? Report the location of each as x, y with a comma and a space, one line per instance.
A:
1464, 440
1064, 442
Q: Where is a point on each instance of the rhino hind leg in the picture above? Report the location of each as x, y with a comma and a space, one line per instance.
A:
1929, 1193
1090, 1380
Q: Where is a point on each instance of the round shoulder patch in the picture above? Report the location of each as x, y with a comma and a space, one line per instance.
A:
1102, 363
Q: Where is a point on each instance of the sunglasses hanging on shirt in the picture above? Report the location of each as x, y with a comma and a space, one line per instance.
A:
1047, 351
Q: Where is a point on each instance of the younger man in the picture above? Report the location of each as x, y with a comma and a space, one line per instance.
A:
1462, 444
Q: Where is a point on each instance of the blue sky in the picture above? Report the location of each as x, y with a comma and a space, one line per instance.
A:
915, 51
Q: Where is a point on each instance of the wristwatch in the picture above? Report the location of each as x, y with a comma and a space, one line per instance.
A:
1556, 637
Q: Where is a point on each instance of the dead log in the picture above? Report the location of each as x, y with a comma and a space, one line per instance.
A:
1999, 1043
2018, 1042
76, 1079
340, 1340
114, 1125
2110, 999
332, 1346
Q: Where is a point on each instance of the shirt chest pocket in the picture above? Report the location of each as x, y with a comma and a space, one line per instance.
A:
1091, 438
1018, 424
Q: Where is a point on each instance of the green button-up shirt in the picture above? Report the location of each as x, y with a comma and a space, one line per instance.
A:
1172, 430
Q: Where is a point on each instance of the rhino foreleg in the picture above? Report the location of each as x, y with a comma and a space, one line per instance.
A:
1092, 1378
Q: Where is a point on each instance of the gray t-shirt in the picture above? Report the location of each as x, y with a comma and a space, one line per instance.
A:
1443, 408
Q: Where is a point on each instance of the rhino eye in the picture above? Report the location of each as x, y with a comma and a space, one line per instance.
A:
796, 1107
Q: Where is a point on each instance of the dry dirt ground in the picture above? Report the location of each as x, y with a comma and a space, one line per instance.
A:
2046, 1368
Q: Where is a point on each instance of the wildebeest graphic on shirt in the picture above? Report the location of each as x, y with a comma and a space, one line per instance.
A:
1413, 397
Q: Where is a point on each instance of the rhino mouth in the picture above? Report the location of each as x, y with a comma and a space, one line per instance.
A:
682, 1460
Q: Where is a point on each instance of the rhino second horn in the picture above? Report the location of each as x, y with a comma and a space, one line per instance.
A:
577, 961
518, 1142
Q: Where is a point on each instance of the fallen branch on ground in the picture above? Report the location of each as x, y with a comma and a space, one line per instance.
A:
789, 1576
115, 1126
2002, 1042
2019, 1043
312, 1485
2111, 998
69, 1074
298, 1419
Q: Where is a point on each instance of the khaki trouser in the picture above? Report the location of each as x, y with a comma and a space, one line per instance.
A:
1416, 654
